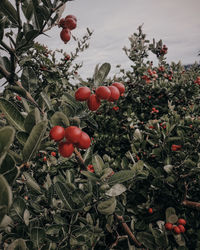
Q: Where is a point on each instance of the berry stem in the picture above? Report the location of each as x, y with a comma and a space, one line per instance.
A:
79, 156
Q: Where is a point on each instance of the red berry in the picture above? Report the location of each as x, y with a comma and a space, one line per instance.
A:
103, 92
93, 102
115, 108
150, 210
45, 158
182, 228
66, 149
169, 226
84, 141
53, 154
115, 94
176, 230
57, 133
90, 168
71, 16
72, 134
70, 23
62, 23
67, 57
82, 94
182, 221
18, 98
120, 86
65, 35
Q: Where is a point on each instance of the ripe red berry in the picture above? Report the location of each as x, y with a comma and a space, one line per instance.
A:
82, 94
169, 226
90, 168
150, 210
176, 230
18, 98
67, 57
65, 35
62, 23
93, 102
45, 158
70, 23
182, 228
71, 16
84, 141
57, 133
103, 92
53, 154
182, 221
66, 149
120, 86
115, 94
72, 134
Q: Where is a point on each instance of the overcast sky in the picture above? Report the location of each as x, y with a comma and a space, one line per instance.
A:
176, 22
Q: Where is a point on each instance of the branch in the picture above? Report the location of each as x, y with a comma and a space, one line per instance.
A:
79, 156
128, 231
192, 204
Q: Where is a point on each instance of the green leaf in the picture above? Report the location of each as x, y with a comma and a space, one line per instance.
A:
78, 106
5, 197
173, 218
116, 190
98, 164
107, 207
169, 211
28, 78
101, 74
32, 119
63, 194
47, 100
18, 208
33, 142
8, 10
14, 117
38, 18
31, 183
31, 35
18, 244
6, 138
5, 62
147, 240
89, 175
121, 176
59, 118
9, 170
27, 8
22, 137
37, 236
87, 158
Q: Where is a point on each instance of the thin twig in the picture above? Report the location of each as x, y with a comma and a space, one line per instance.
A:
79, 156
192, 204
127, 229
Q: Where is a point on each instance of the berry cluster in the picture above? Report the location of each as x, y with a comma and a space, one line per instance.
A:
176, 228
197, 80
154, 110
164, 50
110, 93
74, 137
67, 24
175, 147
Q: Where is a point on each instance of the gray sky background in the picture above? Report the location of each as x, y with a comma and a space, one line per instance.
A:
176, 22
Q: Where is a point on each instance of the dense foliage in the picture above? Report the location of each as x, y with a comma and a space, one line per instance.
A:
137, 185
